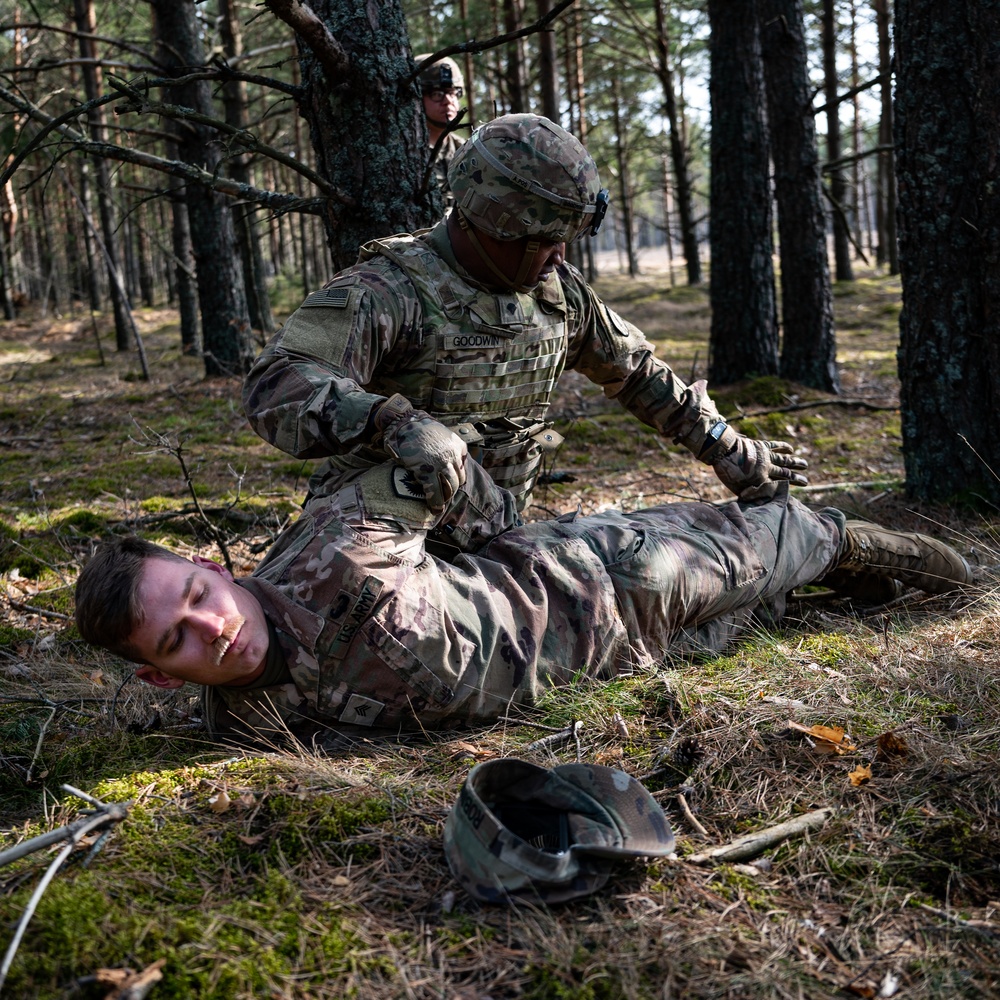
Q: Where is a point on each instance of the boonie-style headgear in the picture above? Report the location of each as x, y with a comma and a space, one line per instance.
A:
520, 832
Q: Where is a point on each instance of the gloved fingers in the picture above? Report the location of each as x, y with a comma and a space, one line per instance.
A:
789, 461
778, 446
777, 472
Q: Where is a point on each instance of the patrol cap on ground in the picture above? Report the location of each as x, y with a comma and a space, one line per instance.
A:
523, 832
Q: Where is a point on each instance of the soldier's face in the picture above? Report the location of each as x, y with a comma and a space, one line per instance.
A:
441, 106
509, 254
199, 625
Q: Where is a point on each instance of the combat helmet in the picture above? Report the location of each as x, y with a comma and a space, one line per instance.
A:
523, 833
441, 75
523, 175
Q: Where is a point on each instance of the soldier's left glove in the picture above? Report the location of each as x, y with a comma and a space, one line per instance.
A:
433, 454
752, 469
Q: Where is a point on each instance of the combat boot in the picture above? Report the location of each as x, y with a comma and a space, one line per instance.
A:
915, 560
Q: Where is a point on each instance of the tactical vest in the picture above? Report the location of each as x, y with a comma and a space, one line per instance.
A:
488, 362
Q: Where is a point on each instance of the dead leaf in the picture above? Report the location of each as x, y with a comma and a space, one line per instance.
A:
340, 880
97, 677
891, 748
825, 739
220, 803
860, 775
252, 841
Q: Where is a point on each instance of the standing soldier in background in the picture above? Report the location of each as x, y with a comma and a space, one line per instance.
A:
442, 87
450, 342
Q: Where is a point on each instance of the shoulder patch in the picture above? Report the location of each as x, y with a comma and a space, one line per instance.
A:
329, 298
405, 485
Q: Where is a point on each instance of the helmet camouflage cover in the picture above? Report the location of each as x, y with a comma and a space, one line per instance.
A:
441, 75
520, 832
523, 175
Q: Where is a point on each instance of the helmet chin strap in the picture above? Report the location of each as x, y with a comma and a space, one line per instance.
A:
526, 260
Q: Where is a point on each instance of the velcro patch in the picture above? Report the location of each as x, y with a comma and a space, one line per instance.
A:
328, 298
361, 711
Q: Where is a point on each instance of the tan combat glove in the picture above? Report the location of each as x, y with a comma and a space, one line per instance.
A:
749, 468
433, 454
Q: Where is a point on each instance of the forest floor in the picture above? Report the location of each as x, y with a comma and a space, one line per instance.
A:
319, 873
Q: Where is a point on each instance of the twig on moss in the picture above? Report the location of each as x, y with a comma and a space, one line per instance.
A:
38, 745
44, 612
105, 813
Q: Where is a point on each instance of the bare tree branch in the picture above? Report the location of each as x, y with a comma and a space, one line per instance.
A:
473, 46
303, 21
273, 200
137, 103
116, 42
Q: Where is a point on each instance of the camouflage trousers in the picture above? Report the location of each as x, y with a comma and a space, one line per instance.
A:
689, 577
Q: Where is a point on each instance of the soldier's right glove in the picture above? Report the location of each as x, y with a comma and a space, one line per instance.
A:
433, 454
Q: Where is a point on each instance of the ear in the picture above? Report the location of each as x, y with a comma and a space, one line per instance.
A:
213, 566
157, 677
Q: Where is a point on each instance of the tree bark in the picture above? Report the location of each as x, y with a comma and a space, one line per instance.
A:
226, 344
744, 334
367, 125
808, 350
947, 131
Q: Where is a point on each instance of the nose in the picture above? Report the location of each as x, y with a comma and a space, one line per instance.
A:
207, 625
559, 254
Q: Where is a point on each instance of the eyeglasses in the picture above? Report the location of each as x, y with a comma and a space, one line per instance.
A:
437, 95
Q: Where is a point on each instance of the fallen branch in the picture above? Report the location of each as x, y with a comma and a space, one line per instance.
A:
812, 404
105, 813
558, 738
752, 844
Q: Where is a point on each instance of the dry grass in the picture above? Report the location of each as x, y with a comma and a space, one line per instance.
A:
325, 876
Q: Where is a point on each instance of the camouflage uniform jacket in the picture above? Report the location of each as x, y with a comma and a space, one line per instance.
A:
377, 632
449, 147
405, 319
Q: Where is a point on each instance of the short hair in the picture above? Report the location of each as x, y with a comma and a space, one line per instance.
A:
108, 610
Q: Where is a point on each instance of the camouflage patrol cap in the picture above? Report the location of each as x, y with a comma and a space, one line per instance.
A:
523, 175
441, 75
523, 832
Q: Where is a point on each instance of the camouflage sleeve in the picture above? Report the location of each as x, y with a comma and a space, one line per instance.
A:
304, 393
615, 354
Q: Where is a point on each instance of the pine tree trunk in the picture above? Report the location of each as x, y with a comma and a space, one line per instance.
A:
234, 98
91, 70
948, 88
744, 334
226, 344
808, 350
838, 189
888, 250
678, 151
